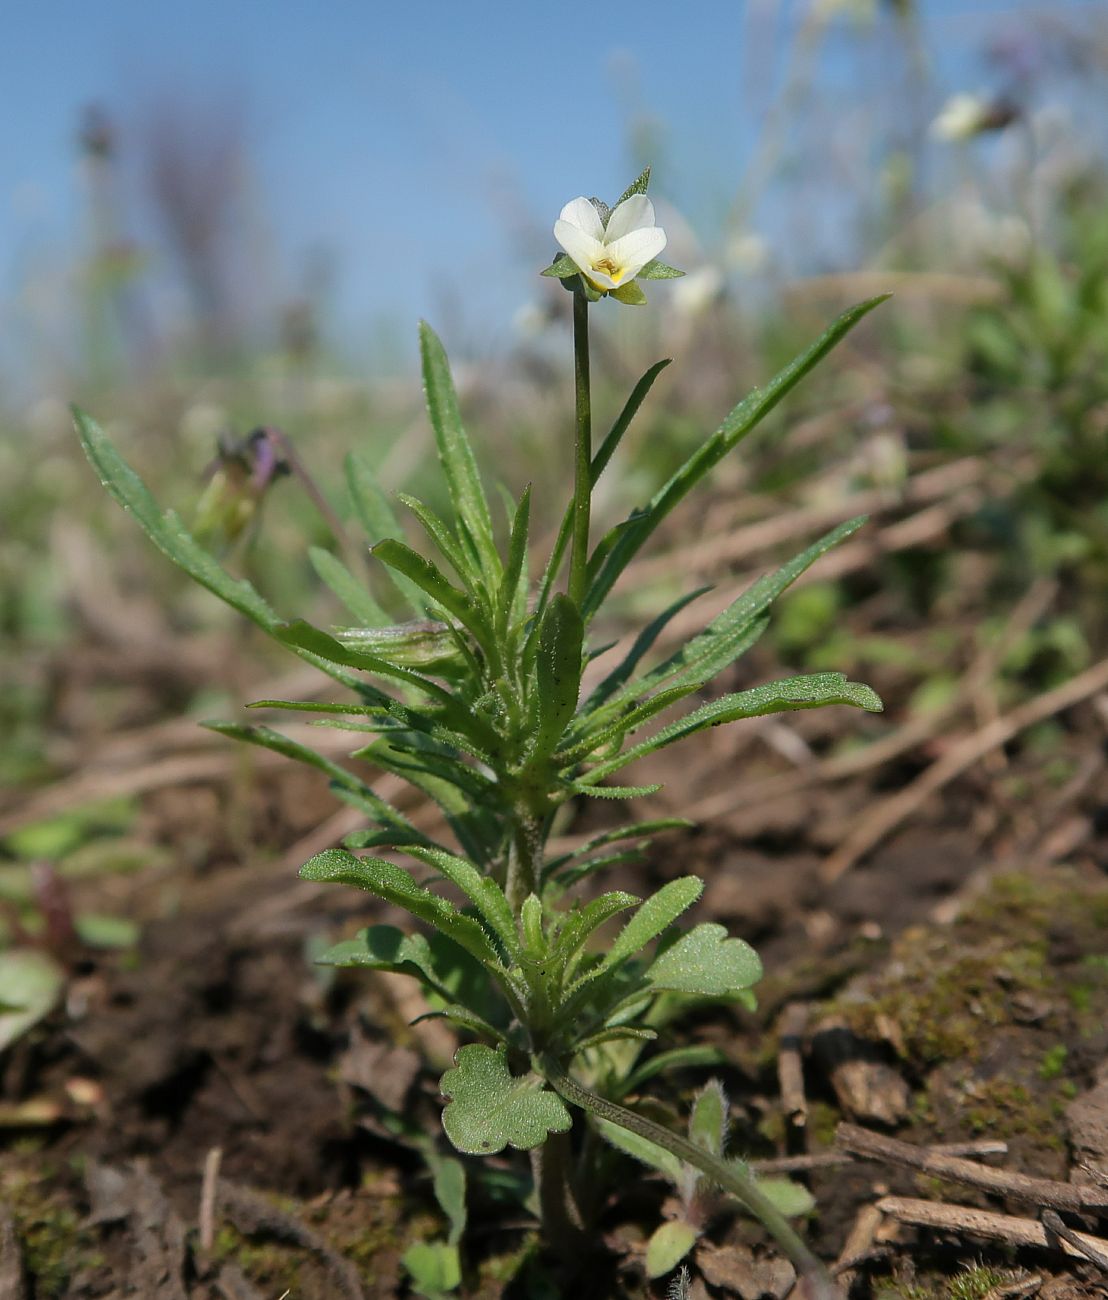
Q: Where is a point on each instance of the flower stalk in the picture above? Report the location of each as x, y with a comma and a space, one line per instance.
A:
582, 464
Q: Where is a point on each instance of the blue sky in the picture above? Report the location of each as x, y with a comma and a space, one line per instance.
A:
409, 140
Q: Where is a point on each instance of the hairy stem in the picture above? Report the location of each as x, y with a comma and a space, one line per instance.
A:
561, 1219
582, 464
743, 1188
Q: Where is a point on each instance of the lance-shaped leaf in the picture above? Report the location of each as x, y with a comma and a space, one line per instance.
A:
581, 923
641, 1149
490, 1108
430, 579
377, 518
812, 691
341, 779
384, 947
659, 911
482, 891
455, 453
706, 962
511, 598
396, 885
558, 674
742, 419
467, 567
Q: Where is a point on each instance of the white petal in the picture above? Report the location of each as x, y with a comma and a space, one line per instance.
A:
581, 213
634, 250
583, 248
632, 214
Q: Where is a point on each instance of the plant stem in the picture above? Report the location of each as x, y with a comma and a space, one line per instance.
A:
561, 1220
582, 465
524, 861
743, 1188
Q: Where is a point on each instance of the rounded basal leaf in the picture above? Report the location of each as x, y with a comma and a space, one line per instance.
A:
490, 1108
30, 985
790, 1198
669, 1246
706, 962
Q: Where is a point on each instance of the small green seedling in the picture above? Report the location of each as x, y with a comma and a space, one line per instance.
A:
477, 694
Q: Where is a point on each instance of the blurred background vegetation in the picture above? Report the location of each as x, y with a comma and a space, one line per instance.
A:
954, 154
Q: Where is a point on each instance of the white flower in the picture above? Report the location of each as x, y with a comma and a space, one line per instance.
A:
962, 117
610, 256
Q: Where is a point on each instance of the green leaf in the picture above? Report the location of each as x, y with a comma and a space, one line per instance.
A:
396, 885
384, 947
347, 588
708, 1121
265, 737
449, 1182
431, 580
675, 1059
455, 453
32, 983
630, 294
638, 186
512, 594
611, 791
304, 636
807, 692
706, 962
641, 1149
659, 911
583, 921
100, 931
490, 1108
742, 419
557, 674
668, 1246
640, 647
421, 643
435, 1268
482, 891
790, 1198
467, 567
562, 267
464, 1018
655, 270
377, 518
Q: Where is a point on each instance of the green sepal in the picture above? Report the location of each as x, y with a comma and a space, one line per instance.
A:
707, 963
490, 1108
562, 267
630, 294
655, 270
638, 186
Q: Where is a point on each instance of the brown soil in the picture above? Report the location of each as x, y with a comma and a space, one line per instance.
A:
954, 990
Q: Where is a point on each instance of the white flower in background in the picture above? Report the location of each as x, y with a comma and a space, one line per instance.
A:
610, 256
961, 117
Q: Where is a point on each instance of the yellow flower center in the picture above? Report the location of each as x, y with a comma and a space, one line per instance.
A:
610, 267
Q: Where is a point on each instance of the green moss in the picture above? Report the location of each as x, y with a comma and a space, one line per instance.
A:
55, 1244
1053, 1062
973, 1283
1003, 1109
266, 1262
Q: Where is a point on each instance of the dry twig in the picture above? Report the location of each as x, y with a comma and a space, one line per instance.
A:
1002, 1182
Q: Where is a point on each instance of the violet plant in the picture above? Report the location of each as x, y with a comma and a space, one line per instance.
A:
477, 700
